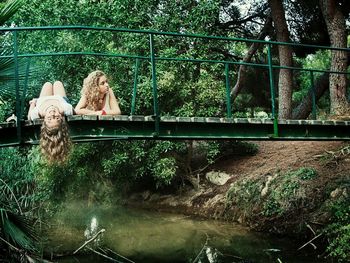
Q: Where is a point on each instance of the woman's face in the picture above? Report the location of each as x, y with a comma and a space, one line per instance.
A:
53, 117
103, 85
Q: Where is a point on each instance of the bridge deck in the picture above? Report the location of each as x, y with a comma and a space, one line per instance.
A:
93, 128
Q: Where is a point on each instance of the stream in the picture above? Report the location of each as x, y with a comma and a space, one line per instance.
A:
141, 236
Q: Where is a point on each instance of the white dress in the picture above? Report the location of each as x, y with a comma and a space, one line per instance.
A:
67, 108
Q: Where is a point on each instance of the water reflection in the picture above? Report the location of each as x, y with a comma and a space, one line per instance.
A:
156, 237
92, 231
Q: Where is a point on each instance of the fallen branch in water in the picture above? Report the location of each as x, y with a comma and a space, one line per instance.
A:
103, 255
89, 241
110, 250
200, 252
311, 240
311, 229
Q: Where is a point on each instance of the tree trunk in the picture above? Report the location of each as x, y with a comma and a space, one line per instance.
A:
241, 76
285, 83
305, 107
336, 27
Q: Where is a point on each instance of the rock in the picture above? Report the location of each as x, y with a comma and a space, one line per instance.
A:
339, 192
218, 178
266, 187
336, 193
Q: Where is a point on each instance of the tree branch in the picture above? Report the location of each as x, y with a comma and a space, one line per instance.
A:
89, 241
252, 50
311, 240
244, 20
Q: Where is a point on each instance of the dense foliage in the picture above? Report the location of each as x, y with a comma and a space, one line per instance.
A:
338, 231
183, 89
20, 203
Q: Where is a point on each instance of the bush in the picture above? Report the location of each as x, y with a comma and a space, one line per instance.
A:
338, 232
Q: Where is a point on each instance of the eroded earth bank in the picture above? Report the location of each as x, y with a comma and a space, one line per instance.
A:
285, 188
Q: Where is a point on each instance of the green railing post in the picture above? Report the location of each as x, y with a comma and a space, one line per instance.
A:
134, 92
228, 90
25, 87
18, 99
313, 95
154, 85
272, 90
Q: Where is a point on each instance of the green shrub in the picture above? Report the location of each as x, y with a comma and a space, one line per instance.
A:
305, 173
164, 171
272, 207
244, 194
338, 232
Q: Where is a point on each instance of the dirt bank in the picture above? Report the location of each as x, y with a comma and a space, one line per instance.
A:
283, 188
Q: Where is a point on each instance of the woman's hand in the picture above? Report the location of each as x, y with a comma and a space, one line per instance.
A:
96, 113
33, 101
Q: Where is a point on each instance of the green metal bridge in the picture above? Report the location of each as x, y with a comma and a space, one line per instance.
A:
160, 126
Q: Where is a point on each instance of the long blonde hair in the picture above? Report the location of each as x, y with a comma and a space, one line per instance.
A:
55, 142
91, 89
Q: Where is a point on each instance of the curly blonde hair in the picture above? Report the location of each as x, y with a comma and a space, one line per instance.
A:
91, 90
55, 142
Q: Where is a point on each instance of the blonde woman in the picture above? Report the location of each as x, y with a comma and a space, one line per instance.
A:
97, 98
52, 105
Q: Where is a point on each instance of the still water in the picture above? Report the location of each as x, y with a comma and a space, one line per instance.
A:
140, 236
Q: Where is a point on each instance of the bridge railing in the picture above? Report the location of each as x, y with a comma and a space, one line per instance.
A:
153, 59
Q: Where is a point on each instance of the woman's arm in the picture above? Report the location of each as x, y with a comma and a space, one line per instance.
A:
113, 104
32, 105
81, 109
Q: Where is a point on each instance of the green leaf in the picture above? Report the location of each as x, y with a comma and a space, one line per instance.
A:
17, 230
9, 10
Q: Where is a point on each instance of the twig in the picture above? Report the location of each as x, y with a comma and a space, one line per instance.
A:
19, 207
317, 223
311, 240
200, 252
12, 246
110, 250
309, 227
233, 256
29, 258
89, 241
206, 166
103, 255
313, 245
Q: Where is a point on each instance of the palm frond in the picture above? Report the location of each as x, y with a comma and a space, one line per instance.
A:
7, 70
17, 230
7, 65
8, 78
9, 9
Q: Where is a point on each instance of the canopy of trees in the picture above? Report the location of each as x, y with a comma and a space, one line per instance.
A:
310, 22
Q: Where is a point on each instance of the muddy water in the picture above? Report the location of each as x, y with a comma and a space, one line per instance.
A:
142, 236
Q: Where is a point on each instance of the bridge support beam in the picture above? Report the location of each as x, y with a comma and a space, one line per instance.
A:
93, 128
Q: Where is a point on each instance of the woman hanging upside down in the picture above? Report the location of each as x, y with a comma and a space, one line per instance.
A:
52, 105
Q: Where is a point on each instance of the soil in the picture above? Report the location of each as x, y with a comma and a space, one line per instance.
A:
210, 200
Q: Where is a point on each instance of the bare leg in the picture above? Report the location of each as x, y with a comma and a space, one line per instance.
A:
46, 90
58, 89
